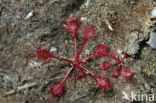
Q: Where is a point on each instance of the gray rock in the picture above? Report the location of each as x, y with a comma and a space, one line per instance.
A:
153, 13
152, 40
53, 49
9, 78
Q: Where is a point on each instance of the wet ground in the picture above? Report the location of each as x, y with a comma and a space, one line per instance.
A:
26, 25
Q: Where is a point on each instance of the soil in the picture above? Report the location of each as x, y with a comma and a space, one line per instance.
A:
114, 20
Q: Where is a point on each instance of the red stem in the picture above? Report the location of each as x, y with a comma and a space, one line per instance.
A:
120, 61
94, 75
125, 56
75, 39
69, 61
84, 42
76, 55
66, 76
124, 67
78, 66
88, 58
111, 64
118, 68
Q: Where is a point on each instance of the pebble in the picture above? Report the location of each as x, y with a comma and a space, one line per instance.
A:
83, 18
29, 15
10, 79
34, 64
53, 49
152, 39
153, 13
87, 51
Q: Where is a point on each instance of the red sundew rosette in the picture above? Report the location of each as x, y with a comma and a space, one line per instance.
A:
44, 54
57, 90
103, 83
102, 50
72, 25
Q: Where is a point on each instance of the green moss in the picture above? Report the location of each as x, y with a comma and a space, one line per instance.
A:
42, 35
29, 2
64, 52
154, 63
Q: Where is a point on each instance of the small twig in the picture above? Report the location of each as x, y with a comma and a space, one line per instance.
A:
53, 1
19, 88
109, 25
1, 10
